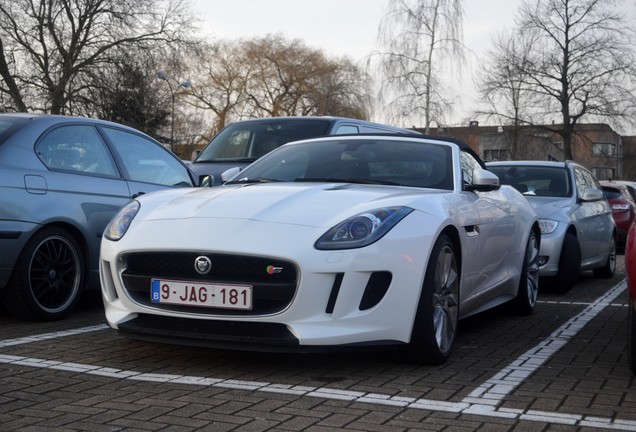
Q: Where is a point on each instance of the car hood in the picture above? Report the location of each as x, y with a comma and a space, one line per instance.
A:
552, 208
291, 203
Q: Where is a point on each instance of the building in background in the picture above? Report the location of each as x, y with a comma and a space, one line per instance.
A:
597, 146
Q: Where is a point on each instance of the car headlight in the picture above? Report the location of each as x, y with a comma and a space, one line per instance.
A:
122, 220
362, 229
547, 225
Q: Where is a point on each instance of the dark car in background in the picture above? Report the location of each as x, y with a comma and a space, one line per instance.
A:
241, 143
621, 197
61, 180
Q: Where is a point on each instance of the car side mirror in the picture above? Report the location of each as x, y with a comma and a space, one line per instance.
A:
592, 194
206, 181
195, 154
229, 174
483, 180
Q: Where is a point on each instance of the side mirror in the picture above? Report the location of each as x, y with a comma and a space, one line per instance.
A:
195, 154
483, 180
206, 181
229, 174
592, 194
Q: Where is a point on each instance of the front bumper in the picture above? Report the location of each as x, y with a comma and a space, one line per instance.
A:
338, 298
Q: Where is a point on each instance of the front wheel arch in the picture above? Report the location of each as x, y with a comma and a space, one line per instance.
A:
437, 314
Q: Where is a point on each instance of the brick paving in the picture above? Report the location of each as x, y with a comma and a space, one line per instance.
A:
99, 381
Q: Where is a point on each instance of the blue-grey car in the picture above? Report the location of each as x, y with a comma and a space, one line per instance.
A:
61, 180
577, 229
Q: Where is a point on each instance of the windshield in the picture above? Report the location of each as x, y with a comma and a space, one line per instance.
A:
357, 160
535, 180
247, 141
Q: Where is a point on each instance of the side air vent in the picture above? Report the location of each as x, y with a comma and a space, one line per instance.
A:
376, 289
335, 289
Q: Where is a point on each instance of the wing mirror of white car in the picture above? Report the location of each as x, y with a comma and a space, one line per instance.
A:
229, 174
592, 194
483, 180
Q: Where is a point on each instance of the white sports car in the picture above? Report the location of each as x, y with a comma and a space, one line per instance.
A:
348, 242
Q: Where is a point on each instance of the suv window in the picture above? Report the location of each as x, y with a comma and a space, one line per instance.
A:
346, 129
247, 141
77, 148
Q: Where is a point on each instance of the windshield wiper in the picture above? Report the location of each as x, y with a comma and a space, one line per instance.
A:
346, 180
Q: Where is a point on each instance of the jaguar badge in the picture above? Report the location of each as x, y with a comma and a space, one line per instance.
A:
202, 265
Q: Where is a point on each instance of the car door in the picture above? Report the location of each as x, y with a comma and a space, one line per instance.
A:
490, 238
82, 184
593, 219
147, 165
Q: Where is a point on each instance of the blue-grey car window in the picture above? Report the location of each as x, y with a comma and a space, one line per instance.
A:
148, 162
76, 148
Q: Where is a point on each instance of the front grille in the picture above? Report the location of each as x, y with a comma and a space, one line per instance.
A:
272, 291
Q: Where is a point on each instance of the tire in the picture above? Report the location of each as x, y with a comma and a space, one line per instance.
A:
435, 323
528, 291
569, 265
631, 338
608, 270
48, 278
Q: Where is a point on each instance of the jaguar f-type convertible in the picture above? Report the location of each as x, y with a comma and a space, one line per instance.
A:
342, 242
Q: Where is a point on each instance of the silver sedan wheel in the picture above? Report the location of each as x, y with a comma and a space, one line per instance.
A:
532, 269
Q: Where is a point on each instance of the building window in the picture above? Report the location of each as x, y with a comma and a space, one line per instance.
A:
496, 155
603, 149
603, 173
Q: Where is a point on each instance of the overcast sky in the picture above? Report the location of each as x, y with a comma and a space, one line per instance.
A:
349, 27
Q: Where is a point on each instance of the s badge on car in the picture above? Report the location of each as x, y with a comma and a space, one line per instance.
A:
202, 265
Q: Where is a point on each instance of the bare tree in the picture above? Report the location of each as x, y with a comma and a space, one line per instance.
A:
220, 73
271, 76
49, 47
501, 85
288, 78
581, 62
417, 39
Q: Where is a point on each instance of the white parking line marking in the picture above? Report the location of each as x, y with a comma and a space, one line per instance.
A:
333, 394
48, 336
482, 401
505, 381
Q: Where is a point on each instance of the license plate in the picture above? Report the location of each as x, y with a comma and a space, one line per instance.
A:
201, 294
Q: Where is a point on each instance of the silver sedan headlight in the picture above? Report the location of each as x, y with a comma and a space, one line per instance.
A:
362, 229
548, 226
122, 220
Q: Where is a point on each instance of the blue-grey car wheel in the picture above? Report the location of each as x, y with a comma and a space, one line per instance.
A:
48, 278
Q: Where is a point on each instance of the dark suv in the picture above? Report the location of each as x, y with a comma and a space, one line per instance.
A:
242, 142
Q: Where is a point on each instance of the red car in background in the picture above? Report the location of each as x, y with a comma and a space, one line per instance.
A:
630, 273
622, 199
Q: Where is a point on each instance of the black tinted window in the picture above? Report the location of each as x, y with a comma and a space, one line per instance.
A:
250, 140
